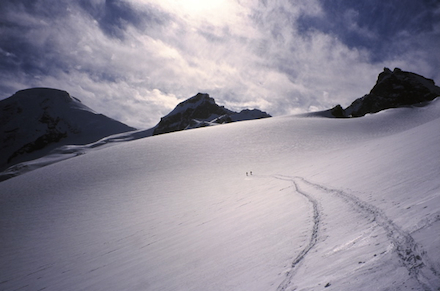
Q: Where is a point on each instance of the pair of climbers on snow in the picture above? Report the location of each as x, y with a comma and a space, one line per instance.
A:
250, 173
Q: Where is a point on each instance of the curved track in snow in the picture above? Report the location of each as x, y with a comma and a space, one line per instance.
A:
374, 244
313, 238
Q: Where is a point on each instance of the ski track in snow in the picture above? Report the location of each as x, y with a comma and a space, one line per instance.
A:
410, 254
313, 239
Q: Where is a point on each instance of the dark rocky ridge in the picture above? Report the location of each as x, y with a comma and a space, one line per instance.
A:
199, 111
393, 89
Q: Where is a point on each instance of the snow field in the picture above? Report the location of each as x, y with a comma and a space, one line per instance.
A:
207, 233
177, 212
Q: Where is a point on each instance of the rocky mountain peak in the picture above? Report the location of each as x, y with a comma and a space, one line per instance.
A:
199, 97
199, 111
392, 89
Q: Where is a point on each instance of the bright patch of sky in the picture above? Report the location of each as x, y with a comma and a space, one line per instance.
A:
134, 60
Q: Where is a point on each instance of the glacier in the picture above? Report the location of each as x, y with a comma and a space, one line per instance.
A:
332, 204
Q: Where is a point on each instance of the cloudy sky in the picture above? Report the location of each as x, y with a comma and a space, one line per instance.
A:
134, 60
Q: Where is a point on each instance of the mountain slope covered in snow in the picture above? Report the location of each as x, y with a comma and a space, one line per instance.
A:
35, 121
332, 204
41, 126
55, 143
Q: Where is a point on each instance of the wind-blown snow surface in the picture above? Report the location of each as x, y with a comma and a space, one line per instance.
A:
334, 204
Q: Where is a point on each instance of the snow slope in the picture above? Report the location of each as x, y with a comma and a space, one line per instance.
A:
334, 204
35, 121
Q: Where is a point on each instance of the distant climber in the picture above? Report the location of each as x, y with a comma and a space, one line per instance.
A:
251, 173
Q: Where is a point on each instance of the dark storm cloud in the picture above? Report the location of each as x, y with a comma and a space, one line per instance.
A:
28, 45
378, 26
41, 38
42, 9
114, 16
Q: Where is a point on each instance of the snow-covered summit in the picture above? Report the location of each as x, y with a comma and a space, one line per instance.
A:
199, 111
35, 121
392, 89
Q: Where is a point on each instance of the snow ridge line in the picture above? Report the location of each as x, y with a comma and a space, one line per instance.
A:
411, 255
313, 239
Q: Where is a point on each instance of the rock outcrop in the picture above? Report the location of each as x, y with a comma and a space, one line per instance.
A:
393, 89
200, 111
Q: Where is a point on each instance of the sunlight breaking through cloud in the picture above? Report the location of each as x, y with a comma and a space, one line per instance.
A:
278, 56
